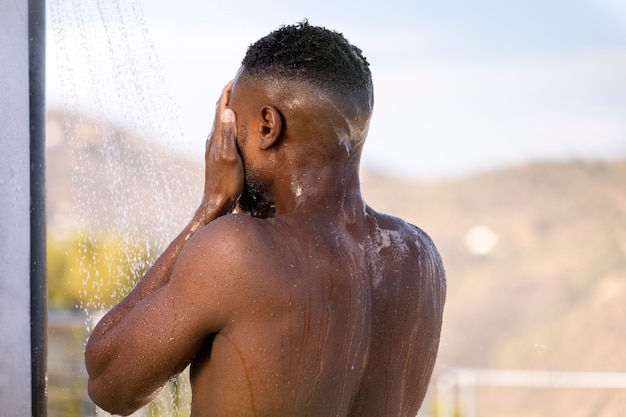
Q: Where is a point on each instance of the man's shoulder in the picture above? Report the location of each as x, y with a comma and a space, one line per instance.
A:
408, 230
232, 234
227, 255
410, 234
235, 241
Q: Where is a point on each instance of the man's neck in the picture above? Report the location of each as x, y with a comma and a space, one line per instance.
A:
330, 187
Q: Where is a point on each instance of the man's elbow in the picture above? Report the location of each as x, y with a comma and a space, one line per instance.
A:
103, 388
105, 396
111, 385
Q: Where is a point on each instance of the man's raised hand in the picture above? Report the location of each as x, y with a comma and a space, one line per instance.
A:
224, 178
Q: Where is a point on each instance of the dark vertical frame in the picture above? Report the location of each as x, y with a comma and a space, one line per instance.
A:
38, 288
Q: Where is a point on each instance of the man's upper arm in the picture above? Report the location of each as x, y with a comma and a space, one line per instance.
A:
159, 337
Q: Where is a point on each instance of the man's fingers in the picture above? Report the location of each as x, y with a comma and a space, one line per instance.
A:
223, 100
229, 129
228, 116
219, 121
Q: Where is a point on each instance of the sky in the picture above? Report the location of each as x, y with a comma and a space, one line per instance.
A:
460, 87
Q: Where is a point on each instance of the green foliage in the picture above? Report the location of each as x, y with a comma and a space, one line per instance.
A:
93, 272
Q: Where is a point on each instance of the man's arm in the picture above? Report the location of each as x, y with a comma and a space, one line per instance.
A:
145, 322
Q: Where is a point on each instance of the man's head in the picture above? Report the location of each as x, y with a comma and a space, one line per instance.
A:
304, 94
312, 55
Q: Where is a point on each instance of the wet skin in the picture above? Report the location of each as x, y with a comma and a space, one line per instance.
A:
310, 304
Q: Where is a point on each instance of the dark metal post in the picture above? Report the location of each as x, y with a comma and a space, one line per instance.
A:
38, 288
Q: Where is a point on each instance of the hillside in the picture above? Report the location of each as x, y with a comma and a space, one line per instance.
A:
541, 285
105, 180
560, 259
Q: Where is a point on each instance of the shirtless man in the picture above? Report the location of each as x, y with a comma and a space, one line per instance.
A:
304, 301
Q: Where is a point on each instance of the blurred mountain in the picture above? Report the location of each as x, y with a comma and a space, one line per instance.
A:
535, 255
104, 179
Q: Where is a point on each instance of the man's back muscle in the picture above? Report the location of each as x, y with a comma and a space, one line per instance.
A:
407, 305
332, 320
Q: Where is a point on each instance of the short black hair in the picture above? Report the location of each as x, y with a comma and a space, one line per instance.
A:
311, 54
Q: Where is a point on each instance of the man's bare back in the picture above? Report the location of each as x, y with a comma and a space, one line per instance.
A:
321, 324
306, 303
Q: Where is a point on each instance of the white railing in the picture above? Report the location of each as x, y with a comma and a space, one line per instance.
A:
456, 388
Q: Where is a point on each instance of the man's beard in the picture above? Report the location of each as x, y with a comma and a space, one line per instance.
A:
255, 198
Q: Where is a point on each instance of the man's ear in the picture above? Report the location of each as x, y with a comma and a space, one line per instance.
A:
271, 126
